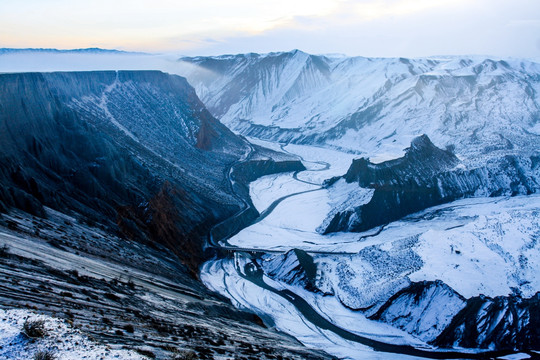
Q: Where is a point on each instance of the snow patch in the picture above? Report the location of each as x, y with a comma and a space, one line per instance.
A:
61, 339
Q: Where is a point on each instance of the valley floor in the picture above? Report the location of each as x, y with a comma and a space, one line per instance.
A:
476, 246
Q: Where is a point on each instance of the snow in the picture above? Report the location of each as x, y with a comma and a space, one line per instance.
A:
222, 276
61, 339
294, 222
266, 189
272, 145
339, 162
425, 316
475, 246
353, 321
519, 356
103, 106
345, 197
497, 251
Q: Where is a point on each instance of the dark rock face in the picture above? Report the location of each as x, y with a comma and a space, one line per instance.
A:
296, 267
252, 170
437, 314
421, 162
427, 176
503, 323
423, 309
135, 151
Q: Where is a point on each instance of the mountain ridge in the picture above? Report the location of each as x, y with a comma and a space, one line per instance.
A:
374, 106
94, 50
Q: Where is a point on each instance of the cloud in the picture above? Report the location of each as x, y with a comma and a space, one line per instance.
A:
356, 27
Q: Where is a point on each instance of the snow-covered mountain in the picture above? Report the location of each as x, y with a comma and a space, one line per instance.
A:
375, 106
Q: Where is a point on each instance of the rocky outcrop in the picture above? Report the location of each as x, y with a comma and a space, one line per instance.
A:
504, 322
423, 309
295, 267
424, 177
251, 170
437, 314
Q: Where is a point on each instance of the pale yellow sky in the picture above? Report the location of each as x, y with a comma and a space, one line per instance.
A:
354, 27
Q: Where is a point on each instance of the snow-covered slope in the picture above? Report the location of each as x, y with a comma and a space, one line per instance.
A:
375, 106
61, 341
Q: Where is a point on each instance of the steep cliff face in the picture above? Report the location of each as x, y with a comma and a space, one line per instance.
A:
135, 151
504, 322
439, 315
296, 267
424, 177
423, 309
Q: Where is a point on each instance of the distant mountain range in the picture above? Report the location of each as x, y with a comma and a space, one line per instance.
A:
68, 51
375, 106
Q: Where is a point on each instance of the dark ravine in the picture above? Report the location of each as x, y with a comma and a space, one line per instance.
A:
427, 176
72, 142
135, 151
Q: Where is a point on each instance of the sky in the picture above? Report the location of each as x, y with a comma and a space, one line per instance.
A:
379, 28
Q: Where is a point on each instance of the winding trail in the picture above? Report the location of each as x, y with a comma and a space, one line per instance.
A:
254, 274
325, 165
276, 202
212, 242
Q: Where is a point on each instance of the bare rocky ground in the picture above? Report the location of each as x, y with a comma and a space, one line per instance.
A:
125, 294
